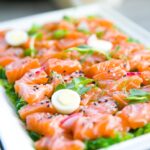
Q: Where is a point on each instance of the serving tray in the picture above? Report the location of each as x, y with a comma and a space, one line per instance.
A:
12, 132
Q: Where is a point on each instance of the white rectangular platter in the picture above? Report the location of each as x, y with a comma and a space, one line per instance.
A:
12, 133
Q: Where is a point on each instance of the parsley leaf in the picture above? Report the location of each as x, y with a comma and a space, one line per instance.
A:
77, 84
32, 50
34, 29
69, 19
34, 136
10, 91
138, 96
20, 103
105, 142
132, 40
142, 130
83, 49
59, 34
2, 73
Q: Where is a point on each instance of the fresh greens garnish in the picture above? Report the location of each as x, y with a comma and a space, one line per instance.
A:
20, 103
69, 19
92, 16
34, 29
32, 50
83, 31
2, 73
117, 48
77, 84
105, 142
138, 96
83, 49
34, 136
100, 34
59, 34
132, 40
10, 91
142, 130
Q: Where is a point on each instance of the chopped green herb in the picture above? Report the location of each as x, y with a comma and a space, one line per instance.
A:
105, 142
9, 89
142, 130
54, 74
34, 136
69, 19
59, 34
138, 96
83, 49
83, 31
130, 40
32, 50
100, 34
92, 16
2, 73
77, 84
20, 103
10, 92
117, 48
34, 29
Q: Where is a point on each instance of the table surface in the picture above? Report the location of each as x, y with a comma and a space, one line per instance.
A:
136, 10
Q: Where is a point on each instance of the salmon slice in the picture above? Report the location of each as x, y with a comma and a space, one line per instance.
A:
44, 123
138, 57
125, 50
114, 36
61, 66
136, 115
145, 75
127, 83
119, 97
15, 52
112, 74
107, 66
32, 93
91, 95
3, 43
59, 142
105, 105
66, 43
17, 69
34, 76
10, 55
42, 106
143, 65
4, 61
85, 128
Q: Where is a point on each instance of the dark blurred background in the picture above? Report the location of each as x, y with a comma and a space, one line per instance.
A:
137, 10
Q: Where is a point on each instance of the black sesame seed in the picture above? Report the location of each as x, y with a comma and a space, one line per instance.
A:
95, 103
108, 71
30, 75
49, 117
93, 82
124, 65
